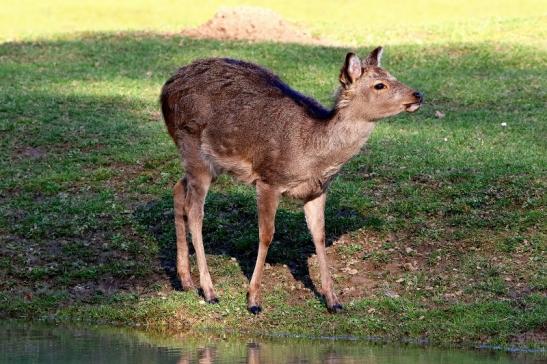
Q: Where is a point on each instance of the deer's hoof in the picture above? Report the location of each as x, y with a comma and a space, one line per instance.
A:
255, 310
335, 308
213, 301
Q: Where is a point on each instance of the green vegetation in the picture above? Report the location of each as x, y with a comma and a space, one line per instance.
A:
438, 226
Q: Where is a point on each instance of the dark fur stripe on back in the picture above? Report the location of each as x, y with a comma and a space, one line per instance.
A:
312, 107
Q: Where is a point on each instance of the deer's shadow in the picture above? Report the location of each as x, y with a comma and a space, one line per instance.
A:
230, 228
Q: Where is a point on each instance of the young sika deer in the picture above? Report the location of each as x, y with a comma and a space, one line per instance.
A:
236, 117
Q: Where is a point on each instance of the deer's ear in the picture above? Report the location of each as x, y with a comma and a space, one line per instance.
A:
351, 71
374, 57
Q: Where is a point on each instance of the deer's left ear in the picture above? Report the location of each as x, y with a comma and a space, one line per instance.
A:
351, 71
374, 57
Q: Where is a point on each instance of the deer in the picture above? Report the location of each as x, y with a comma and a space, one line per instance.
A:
235, 117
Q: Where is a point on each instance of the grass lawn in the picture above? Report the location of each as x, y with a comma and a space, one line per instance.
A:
437, 229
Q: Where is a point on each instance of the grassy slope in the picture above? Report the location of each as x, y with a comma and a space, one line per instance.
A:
441, 218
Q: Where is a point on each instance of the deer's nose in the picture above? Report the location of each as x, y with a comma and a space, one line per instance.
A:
419, 96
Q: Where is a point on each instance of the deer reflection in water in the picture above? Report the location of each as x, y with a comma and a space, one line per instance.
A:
256, 355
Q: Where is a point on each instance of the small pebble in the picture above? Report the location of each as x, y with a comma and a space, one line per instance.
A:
409, 267
352, 271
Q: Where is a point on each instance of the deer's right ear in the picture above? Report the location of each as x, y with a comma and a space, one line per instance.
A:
351, 71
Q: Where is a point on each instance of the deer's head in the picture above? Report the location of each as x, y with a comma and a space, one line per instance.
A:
368, 91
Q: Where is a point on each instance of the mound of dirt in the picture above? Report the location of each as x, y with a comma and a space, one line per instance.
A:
254, 24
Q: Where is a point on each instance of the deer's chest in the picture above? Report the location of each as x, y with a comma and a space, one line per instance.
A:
313, 186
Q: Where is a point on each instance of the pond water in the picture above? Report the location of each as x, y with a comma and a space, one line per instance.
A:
28, 343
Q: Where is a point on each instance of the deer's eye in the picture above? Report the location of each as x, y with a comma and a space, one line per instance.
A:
379, 86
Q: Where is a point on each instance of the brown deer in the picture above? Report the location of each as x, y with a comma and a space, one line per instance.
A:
236, 117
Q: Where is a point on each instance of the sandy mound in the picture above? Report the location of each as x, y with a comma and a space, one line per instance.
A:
252, 23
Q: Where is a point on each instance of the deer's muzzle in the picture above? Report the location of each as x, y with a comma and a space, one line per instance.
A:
411, 107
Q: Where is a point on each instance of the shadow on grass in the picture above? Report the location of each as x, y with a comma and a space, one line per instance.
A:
230, 228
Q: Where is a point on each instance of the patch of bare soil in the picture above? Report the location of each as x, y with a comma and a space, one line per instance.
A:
254, 24
533, 336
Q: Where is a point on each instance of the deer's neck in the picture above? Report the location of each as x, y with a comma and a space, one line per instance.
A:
342, 137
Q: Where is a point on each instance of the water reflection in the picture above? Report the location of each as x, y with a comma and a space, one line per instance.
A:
333, 352
204, 356
26, 343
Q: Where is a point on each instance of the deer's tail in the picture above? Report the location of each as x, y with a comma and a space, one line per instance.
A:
167, 109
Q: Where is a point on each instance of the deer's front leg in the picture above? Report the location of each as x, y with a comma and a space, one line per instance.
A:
315, 218
267, 199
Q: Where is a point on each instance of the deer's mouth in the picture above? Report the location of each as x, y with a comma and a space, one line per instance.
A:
412, 107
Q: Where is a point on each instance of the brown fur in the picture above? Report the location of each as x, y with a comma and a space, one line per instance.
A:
239, 118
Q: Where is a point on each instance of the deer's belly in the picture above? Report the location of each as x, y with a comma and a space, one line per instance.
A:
300, 180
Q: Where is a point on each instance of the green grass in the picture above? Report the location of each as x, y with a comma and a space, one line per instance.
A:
443, 216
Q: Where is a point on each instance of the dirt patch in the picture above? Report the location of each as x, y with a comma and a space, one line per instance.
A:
538, 335
254, 24
28, 153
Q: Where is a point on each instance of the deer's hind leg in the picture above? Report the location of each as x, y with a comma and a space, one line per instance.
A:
197, 186
189, 202
183, 260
